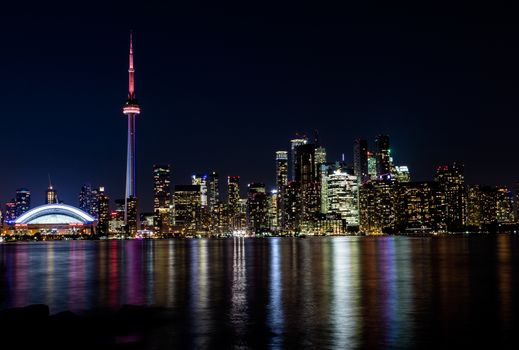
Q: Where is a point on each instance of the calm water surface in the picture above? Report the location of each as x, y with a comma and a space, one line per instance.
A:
347, 292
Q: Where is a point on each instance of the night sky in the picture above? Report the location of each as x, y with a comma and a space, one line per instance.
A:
223, 88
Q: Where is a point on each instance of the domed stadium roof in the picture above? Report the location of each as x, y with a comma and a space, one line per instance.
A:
55, 214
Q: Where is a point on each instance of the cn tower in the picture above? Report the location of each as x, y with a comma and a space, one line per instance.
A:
131, 109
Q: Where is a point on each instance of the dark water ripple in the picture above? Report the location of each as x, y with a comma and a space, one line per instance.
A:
319, 293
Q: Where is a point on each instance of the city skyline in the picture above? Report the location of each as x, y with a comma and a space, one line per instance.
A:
207, 109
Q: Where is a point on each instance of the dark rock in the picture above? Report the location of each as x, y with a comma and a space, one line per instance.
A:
18, 315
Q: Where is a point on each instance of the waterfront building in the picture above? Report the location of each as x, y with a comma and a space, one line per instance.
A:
273, 211
281, 184
342, 194
233, 202
187, 202
132, 220
420, 207
54, 219
504, 206
489, 206
23, 201
330, 224
307, 175
162, 198
378, 207
116, 224
293, 207
103, 202
451, 180
257, 208
147, 221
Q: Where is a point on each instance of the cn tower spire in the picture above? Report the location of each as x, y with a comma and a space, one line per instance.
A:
131, 72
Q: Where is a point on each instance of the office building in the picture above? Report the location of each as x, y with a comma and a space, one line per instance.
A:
383, 157
294, 143
360, 161
162, 198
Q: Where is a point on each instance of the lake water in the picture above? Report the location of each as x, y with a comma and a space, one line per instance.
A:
341, 292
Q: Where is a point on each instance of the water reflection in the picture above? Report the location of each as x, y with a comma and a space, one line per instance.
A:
347, 292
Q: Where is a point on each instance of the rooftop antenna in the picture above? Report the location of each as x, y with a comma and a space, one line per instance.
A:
50, 182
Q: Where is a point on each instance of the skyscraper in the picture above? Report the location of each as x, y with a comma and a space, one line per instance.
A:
452, 185
294, 143
293, 206
307, 175
23, 201
131, 109
343, 195
281, 184
372, 166
88, 200
233, 201
215, 206
383, 156
201, 180
103, 210
10, 211
257, 208
504, 206
51, 195
360, 160
162, 198
187, 208
213, 191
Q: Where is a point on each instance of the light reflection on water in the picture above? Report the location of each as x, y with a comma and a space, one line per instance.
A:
345, 292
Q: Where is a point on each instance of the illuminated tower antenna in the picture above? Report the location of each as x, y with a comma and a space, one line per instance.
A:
131, 109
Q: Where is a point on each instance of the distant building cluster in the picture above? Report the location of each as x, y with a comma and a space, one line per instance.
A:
312, 196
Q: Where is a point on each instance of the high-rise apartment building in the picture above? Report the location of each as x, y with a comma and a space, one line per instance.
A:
257, 208
281, 184
294, 143
10, 211
23, 201
307, 176
103, 202
88, 200
451, 180
233, 201
162, 198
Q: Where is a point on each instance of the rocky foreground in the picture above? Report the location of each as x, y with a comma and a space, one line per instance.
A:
129, 327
